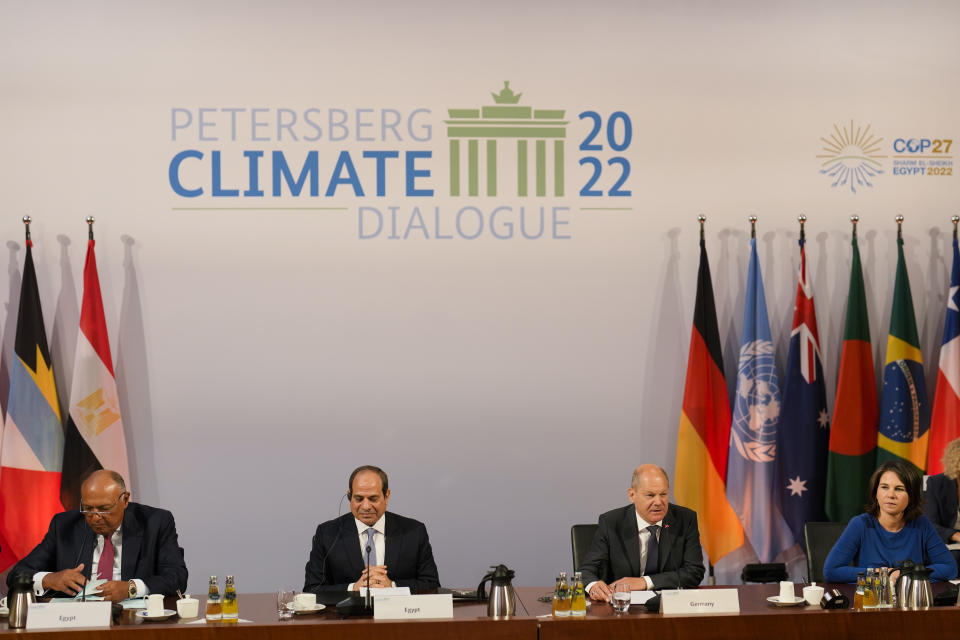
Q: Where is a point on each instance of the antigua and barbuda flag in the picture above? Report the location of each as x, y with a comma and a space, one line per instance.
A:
945, 421
803, 435
751, 468
32, 449
904, 410
703, 436
853, 431
94, 433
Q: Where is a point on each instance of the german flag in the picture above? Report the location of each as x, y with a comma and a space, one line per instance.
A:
704, 433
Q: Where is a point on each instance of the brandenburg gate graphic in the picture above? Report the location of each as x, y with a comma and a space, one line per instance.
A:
503, 121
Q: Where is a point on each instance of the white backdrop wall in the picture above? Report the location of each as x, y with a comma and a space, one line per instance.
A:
508, 386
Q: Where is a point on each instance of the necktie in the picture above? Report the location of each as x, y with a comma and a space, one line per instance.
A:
653, 552
105, 565
371, 556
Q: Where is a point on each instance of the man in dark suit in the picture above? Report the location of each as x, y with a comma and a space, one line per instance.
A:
393, 550
131, 546
649, 544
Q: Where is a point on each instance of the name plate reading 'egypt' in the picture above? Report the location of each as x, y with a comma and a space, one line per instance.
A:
68, 615
700, 601
437, 605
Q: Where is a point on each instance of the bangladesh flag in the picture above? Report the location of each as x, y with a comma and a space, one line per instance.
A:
853, 430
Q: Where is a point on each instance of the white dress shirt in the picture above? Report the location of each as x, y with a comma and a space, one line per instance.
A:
93, 569
379, 542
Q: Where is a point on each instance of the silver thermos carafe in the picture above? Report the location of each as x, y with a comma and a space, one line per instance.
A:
19, 599
502, 601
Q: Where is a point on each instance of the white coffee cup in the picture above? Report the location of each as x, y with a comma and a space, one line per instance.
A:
305, 601
787, 593
155, 604
813, 594
188, 607
3, 602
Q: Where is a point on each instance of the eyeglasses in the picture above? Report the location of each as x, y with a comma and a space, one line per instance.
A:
93, 511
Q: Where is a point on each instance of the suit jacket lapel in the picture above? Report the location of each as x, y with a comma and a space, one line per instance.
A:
349, 534
132, 538
391, 536
630, 536
84, 541
667, 539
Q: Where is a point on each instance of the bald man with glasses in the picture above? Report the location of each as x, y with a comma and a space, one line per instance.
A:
133, 548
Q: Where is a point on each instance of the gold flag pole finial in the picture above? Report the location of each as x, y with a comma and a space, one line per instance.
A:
26, 226
899, 220
753, 226
702, 218
90, 221
802, 219
854, 219
955, 220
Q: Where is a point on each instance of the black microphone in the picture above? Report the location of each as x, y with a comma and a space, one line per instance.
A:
368, 599
83, 542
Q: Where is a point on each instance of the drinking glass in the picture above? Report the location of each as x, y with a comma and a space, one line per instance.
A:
620, 601
285, 603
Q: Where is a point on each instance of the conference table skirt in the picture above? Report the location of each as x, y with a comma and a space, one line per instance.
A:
757, 618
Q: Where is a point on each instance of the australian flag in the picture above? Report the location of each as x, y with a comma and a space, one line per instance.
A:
804, 436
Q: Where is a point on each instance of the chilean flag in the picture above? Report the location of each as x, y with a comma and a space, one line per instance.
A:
945, 421
94, 433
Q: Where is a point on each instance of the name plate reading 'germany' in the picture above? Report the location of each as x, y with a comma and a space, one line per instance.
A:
68, 615
438, 605
700, 601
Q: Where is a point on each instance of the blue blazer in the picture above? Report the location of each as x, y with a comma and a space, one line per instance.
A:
150, 549
336, 559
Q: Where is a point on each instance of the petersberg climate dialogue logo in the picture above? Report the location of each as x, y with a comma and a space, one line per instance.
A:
853, 157
507, 173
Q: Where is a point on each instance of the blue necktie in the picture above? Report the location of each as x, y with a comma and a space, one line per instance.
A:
371, 556
653, 552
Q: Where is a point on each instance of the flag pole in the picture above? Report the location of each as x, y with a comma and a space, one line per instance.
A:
702, 218
803, 235
955, 220
899, 220
711, 580
753, 226
90, 221
26, 225
854, 219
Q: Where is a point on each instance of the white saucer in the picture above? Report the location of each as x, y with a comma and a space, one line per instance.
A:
304, 612
163, 616
786, 603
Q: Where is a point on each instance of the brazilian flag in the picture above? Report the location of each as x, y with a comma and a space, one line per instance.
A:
904, 410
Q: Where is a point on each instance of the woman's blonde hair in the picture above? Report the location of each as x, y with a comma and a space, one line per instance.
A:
951, 459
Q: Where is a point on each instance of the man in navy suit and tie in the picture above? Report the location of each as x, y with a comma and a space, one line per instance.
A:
370, 542
649, 544
133, 548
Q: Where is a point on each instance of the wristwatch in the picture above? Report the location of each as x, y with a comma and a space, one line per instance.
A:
132, 590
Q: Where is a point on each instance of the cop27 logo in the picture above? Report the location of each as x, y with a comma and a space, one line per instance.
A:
850, 156
538, 137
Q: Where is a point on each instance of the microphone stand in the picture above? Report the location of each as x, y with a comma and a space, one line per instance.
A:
368, 600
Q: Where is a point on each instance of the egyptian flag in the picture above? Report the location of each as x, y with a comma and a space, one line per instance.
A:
94, 434
904, 409
945, 421
33, 433
704, 433
803, 436
853, 431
